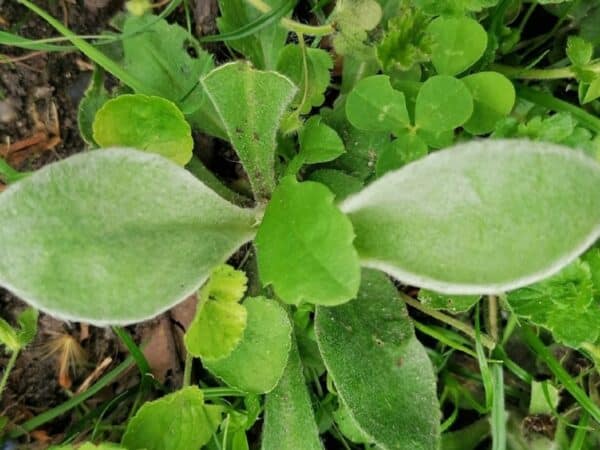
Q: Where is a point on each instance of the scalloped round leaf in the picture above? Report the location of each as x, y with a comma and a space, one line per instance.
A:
304, 246
178, 421
456, 43
114, 236
373, 105
371, 335
483, 217
151, 124
319, 142
216, 330
443, 103
257, 363
493, 99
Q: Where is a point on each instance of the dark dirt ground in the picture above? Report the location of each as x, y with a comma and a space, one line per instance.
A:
39, 95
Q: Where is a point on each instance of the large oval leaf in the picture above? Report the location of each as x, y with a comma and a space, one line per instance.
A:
382, 373
483, 217
114, 236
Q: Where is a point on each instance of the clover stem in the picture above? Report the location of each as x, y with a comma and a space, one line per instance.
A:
486, 340
493, 316
292, 25
523, 73
9, 367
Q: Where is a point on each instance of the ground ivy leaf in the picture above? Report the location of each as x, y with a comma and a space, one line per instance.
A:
257, 363
251, 104
373, 335
178, 421
319, 142
493, 99
114, 236
289, 417
407, 147
262, 47
304, 246
456, 43
216, 330
353, 19
318, 62
373, 105
443, 103
452, 303
151, 124
488, 216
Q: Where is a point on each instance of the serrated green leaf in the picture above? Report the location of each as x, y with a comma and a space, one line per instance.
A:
216, 330
318, 65
178, 421
114, 236
407, 147
488, 216
493, 98
592, 258
319, 142
452, 303
456, 43
151, 124
353, 19
579, 51
373, 335
307, 260
443, 103
251, 104
257, 363
8, 336
340, 183
289, 417
27, 321
264, 46
226, 284
95, 96
373, 105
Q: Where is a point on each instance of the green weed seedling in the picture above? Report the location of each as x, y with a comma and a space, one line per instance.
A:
427, 167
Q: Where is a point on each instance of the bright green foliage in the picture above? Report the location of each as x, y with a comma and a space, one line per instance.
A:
579, 51
151, 124
319, 142
262, 47
95, 96
373, 335
90, 446
373, 105
592, 91
539, 402
307, 260
407, 147
457, 43
452, 7
289, 417
452, 303
166, 59
178, 421
118, 236
493, 98
482, 194
348, 426
405, 42
220, 320
312, 83
443, 103
564, 303
340, 183
251, 104
353, 19
257, 363
17, 339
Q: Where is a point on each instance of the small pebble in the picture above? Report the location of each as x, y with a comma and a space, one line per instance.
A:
8, 113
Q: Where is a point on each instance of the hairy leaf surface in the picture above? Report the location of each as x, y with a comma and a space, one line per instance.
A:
482, 217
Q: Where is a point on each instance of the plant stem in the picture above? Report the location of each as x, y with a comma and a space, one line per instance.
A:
292, 25
523, 73
493, 316
486, 340
49, 415
187, 369
538, 347
9, 367
555, 104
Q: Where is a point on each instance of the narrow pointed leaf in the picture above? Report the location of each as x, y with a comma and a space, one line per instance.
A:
289, 417
482, 217
251, 104
373, 336
114, 236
